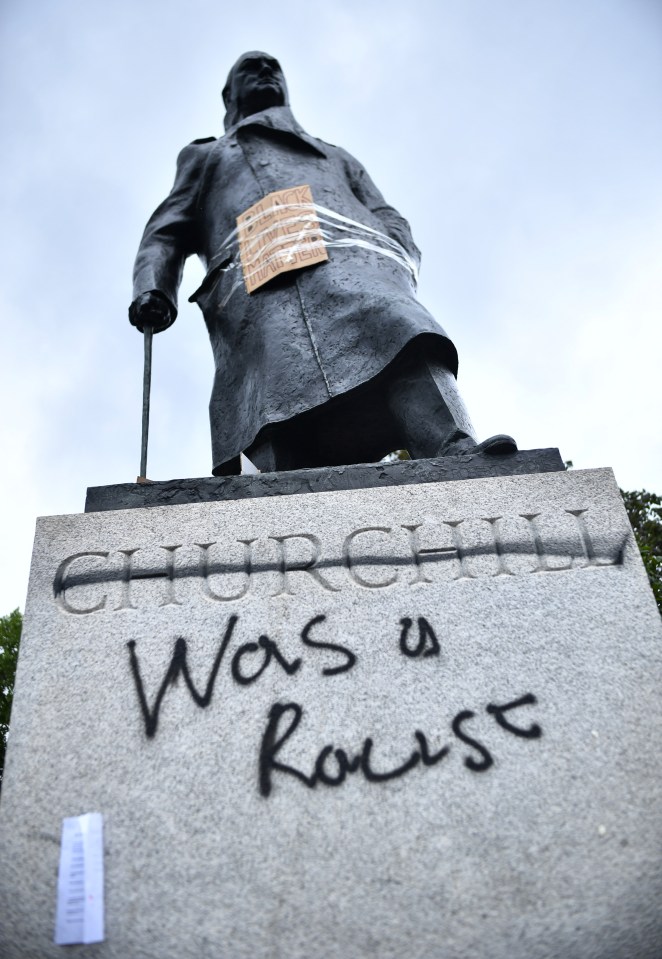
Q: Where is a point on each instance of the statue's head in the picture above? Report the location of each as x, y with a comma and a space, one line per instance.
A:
254, 83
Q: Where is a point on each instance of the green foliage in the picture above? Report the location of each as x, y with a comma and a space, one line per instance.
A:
10, 634
645, 512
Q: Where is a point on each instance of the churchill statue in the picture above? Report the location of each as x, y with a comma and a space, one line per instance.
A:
323, 354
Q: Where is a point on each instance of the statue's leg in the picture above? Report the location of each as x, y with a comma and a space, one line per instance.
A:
414, 405
229, 468
424, 399
354, 428
276, 451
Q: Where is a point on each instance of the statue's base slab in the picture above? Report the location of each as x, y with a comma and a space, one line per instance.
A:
328, 479
417, 721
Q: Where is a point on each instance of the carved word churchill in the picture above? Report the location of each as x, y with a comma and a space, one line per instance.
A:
371, 557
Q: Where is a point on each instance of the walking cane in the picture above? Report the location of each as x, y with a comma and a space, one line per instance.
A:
148, 333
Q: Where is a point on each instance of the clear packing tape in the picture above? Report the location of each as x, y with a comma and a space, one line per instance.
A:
290, 236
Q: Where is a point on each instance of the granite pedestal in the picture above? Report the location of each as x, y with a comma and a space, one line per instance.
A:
420, 721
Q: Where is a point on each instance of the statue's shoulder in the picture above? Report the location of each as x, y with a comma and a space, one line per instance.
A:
339, 153
193, 154
332, 147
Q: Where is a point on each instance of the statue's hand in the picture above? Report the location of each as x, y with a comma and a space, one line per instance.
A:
151, 309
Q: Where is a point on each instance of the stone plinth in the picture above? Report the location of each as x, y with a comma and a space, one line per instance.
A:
417, 721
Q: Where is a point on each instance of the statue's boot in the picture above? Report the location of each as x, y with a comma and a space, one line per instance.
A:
423, 398
498, 445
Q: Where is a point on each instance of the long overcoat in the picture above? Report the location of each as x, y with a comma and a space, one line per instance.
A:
310, 335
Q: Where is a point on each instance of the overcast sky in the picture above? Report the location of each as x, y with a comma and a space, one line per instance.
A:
522, 139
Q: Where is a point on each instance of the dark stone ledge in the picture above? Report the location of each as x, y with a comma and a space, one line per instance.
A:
324, 480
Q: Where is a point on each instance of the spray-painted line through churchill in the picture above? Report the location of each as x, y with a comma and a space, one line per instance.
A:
370, 557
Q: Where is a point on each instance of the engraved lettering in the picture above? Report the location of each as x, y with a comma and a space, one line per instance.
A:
288, 566
419, 554
350, 561
502, 569
60, 585
125, 601
543, 565
211, 594
170, 598
564, 539
587, 543
461, 554
129, 574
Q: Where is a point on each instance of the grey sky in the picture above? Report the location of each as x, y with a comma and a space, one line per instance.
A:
522, 139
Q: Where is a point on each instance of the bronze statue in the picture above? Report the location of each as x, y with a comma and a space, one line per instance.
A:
335, 363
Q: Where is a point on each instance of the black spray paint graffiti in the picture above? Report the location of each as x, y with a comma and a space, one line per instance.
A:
250, 660
427, 645
265, 649
459, 546
284, 719
315, 644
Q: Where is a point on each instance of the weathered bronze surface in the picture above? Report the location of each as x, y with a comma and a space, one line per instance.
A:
330, 479
330, 364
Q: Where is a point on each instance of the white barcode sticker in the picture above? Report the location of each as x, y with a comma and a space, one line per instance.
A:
79, 917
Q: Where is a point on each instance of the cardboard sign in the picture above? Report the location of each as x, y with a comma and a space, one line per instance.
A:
279, 233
